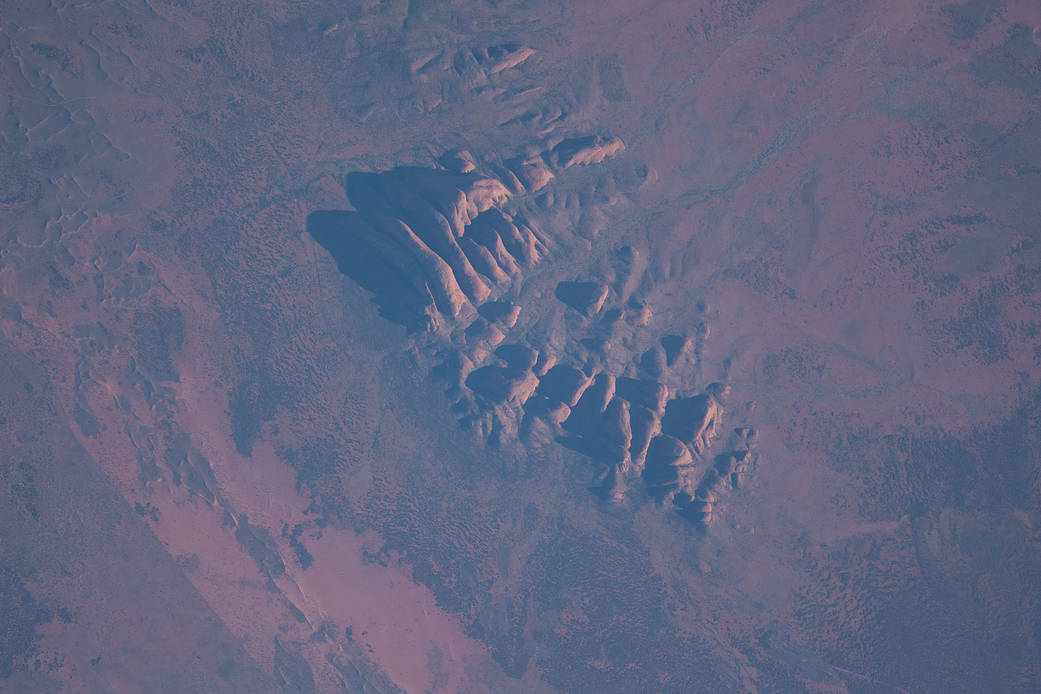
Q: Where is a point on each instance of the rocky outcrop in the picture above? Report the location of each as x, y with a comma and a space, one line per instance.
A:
693, 420
495, 385
519, 358
428, 242
503, 312
585, 297
531, 173
563, 383
675, 346
504, 57
483, 333
446, 250
649, 394
552, 411
585, 415
434, 244
653, 362
477, 64
725, 475
458, 161
668, 459
644, 424
585, 150
609, 441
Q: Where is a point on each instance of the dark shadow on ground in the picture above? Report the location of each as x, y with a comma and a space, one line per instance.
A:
346, 235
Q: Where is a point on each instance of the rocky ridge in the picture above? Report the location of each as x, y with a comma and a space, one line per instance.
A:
450, 252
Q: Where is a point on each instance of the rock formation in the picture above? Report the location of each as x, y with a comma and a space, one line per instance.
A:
585, 297
693, 420
445, 251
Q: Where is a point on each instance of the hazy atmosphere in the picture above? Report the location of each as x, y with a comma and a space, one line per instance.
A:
392, 346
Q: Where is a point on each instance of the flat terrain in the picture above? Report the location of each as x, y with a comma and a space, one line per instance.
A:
520, 347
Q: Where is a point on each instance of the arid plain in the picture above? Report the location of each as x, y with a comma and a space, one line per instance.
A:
520, 347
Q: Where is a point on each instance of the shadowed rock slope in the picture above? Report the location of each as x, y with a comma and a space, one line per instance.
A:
451, 253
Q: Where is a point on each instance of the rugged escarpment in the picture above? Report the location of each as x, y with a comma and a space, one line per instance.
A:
427, 242
451, 252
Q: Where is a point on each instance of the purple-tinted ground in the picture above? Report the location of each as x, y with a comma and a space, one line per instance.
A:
608, 347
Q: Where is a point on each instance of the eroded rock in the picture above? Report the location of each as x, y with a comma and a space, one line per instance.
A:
653, 362
564, 384
585, 415
503, 312
519, 358
667, 456
675, 346
692, 420
585, 150
498, 385
585, 297
638, 391
458, 161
